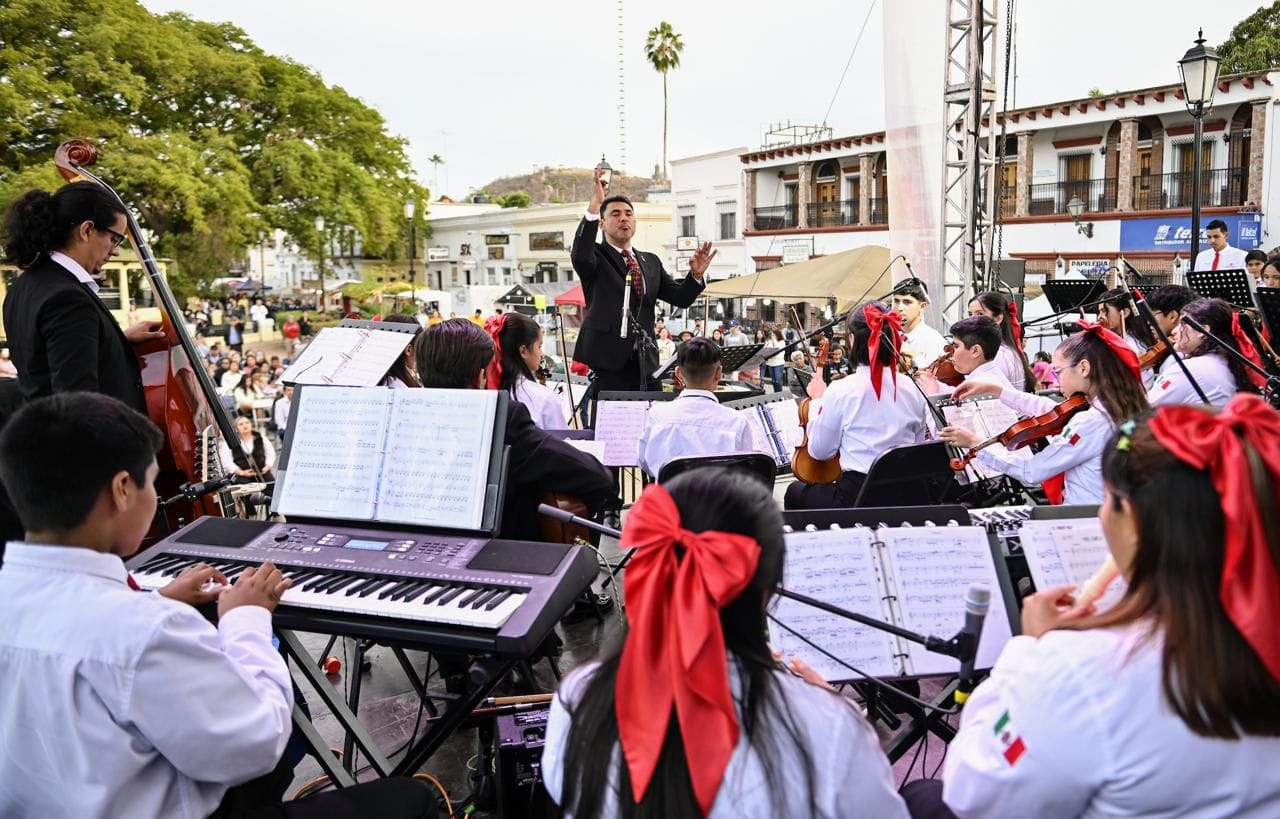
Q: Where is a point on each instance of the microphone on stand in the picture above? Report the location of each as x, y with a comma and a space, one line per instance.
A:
199, 490
976, 603
626, 306
914, 277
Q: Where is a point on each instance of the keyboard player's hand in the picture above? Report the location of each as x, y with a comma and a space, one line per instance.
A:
196, 585
260, 586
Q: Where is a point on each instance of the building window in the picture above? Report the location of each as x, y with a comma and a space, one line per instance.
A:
728, 225
688, 226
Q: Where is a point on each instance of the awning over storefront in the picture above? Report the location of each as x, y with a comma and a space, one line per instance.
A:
847, 277
572, 296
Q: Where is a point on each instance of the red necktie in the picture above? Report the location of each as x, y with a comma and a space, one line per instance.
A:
637, 278
1216, 254
133, 584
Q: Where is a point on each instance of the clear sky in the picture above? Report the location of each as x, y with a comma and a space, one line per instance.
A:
498, 87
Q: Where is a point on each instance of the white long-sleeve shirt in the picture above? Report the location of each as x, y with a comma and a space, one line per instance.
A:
1075, 724
123, 703
694, 424
543, 404
1232, 258
1211, 371
850, 420
924, 344
1010, 360
1077, 451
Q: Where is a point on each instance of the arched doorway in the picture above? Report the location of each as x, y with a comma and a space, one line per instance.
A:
1148, 165
825, 210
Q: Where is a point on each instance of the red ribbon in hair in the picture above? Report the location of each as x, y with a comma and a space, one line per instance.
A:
494, 370
1250, 588
876, 319
1245, 345
1014, 324
675, 656
1123, 351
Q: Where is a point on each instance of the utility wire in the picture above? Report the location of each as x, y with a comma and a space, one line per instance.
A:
848, 62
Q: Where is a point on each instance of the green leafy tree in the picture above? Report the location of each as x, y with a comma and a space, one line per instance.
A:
515, 199
1254, 44
662, 48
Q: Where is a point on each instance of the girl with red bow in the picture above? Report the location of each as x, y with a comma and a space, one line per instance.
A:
1167, 704
692, 716
1011, 359
1096, 363
517, 341
1218, 373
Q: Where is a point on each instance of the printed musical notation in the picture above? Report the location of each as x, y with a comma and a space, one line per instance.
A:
986, 417
1068, 551
334, 454
347, 356
619, 425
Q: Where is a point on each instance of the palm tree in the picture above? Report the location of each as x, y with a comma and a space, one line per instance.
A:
662, 48
436, 162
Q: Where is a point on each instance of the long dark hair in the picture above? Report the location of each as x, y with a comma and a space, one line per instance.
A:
1215, 316
1113, 382
1211, 677
518, 330
1134, 324
401, 368
708, 499
997, 304
860, 336
39, 222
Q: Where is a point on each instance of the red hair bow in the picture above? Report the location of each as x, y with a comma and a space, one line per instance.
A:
1245, 345
1123, 351
675, 656
1250, 587
1014, 324
494, 370
876, 318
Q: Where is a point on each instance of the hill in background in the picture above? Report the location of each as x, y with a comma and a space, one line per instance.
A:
558, 185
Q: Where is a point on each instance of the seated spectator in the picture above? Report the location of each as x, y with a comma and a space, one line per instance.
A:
245, 393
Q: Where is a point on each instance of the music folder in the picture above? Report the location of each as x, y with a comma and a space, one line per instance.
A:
351, 355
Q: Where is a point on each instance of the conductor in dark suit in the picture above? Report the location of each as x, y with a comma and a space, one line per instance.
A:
61, 335
623, 361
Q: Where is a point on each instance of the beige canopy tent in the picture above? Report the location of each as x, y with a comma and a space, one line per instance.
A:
846, 277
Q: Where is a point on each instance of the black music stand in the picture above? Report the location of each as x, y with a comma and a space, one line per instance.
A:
1235, 286
921, 472
1066, 295
1269, 306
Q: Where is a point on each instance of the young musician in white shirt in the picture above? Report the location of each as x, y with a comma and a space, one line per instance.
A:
1010, 358
1095, 363
1166, 303
127, 703
518, 355
1118, 314
859, 417
694, 423
403, 374
1217, 372
977, 350
1167, 704
920, 341
689, 715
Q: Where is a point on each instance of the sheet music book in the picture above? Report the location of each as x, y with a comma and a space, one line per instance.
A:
915, 577
619, 425
775, 429
984, 416
1068, 551
396, 456
348, 357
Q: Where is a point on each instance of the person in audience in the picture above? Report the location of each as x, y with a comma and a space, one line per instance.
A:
125, 703
403, 373
280, 409
921, 342
231, 376
689, 714
1011, 359
859, 417
517, 356
456, 354
836, 366
666, 345
1218, 373
1168, 703
1046, 378
1095, 363
775, 366
245, 394
253, 457
695, 423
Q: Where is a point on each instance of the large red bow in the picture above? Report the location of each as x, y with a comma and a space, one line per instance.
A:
675, 655
1014, 325
494, 370
1245, 345
1123, 351
1250, 587
876, 319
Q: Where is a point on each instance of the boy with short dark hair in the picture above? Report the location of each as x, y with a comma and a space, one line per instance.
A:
977, 343
923, 343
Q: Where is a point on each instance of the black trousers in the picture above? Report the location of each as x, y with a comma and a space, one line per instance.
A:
924, 799
394, 798
839, 495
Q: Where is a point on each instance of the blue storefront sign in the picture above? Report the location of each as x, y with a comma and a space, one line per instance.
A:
1173, 235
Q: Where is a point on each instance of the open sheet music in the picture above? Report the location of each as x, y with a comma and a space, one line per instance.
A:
985, 416
396, 456
347, 356
1068, 551
775, 429
914, 577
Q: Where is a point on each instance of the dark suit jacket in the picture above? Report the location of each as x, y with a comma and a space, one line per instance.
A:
62, 338
603, 273
542, 463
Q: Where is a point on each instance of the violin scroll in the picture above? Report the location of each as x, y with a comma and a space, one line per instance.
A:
73, 155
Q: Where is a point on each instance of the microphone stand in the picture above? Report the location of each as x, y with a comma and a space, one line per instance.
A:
1273, 382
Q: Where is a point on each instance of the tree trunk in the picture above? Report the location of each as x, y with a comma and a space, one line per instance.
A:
664, 124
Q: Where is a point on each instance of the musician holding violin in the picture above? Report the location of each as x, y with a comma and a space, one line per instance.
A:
1219, 374
1099, 373
517, 368
1166, 303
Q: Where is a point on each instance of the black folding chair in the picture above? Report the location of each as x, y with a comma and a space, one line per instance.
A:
756, 464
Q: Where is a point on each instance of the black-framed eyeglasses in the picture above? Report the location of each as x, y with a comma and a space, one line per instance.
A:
117, 239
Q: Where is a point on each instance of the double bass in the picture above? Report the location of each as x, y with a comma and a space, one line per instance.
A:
181, 398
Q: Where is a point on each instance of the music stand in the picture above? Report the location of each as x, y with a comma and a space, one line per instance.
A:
1066, 295
1269, 306
1232, 286
921, 472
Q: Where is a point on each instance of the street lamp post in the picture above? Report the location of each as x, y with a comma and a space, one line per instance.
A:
262, 257
408, 215
320, 265
1199, 68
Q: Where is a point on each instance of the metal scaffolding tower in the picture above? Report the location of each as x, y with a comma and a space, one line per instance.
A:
969, 143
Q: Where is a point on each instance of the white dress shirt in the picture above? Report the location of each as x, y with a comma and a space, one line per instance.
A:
1139, 348
229, 461
1012, 363
123, 703
990, 372
1210, 370
546, 407
850, 420
1077, 451
924, 344
1091, 735
693, 424
76, 269
1231, 258
851, 775
280, 413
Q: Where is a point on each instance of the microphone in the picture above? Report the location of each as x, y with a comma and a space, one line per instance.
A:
914, 277
262, 498
199, 490
568, 517
976, 603
626, 306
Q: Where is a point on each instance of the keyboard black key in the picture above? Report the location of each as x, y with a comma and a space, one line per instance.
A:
389, 591
413, 587
452, 593
468, 599
497, 599
482, 599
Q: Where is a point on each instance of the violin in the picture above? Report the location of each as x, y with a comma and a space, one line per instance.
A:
1154, 356
543, 374
1029, 430
804, 466
944, 369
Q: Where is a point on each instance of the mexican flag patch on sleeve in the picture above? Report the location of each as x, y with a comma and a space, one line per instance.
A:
1012, 744
1165, 383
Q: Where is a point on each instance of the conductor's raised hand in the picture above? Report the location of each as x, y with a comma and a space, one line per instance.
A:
598, 192
256, 586
974, 389
701, 260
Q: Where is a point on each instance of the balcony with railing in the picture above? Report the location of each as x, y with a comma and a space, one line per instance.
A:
879, 210
833, 214
1222, 187
776, 217
1098, 195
